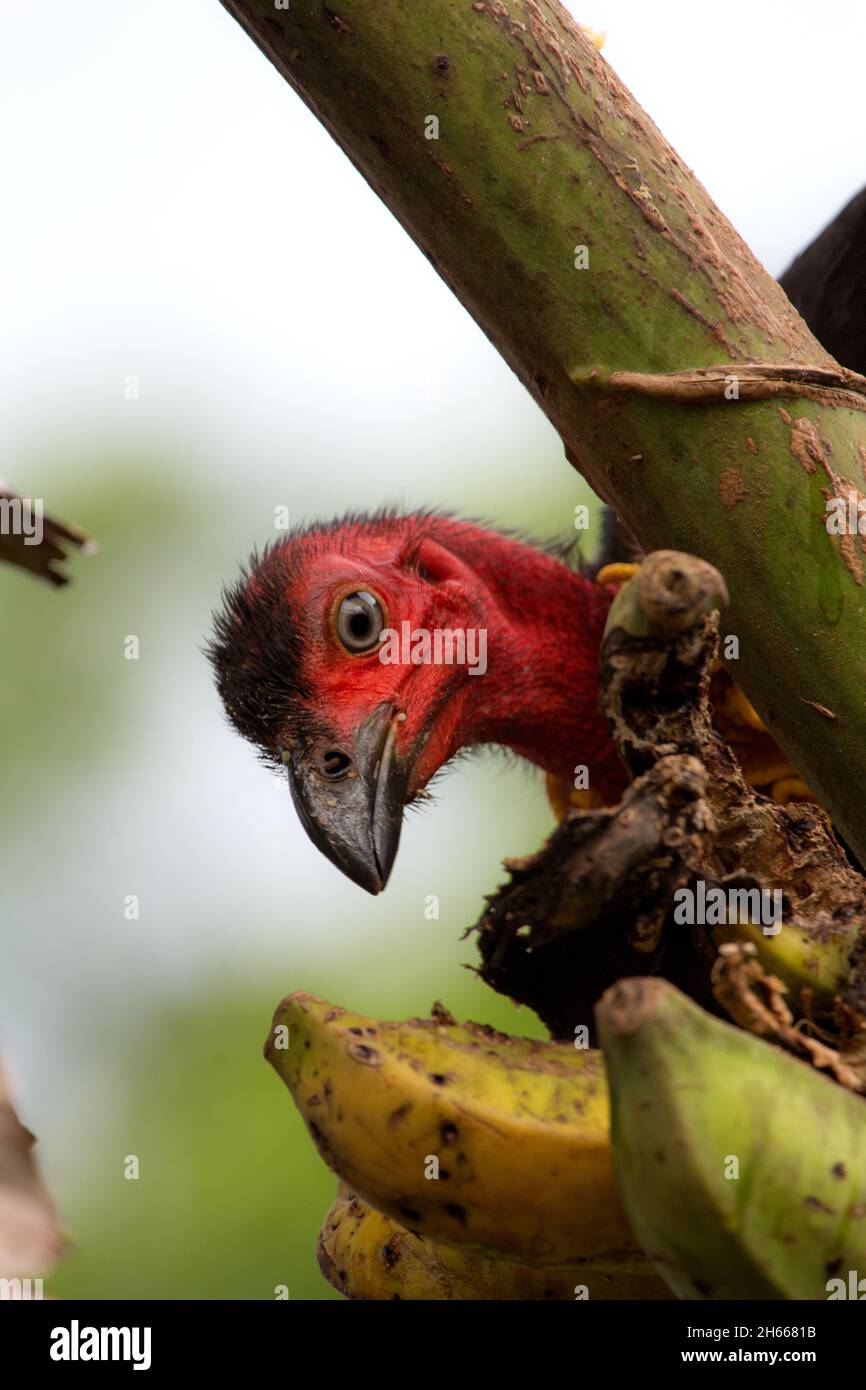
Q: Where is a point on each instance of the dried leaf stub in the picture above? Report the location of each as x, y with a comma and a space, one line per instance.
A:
755, 1000
30, 1240
36, 542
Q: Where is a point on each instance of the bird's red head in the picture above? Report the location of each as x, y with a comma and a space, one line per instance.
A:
365, 653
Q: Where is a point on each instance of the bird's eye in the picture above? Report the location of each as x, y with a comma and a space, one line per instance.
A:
360, 621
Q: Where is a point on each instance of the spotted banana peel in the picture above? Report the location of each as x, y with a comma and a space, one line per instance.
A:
743, 1170
366, 1255
492, 1143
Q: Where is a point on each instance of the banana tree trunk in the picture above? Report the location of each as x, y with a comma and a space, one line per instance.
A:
609, 281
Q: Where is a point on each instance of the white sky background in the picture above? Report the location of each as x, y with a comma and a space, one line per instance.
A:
171, 209
168, 198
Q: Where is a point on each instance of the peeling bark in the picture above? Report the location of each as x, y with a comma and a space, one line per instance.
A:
745, 381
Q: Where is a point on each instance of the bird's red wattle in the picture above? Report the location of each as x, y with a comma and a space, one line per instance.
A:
337, 717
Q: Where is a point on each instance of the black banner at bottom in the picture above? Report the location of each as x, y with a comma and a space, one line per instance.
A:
166, 1339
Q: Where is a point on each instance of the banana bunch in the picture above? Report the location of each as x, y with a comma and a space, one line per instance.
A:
743, 1170
479, 1166
484, 1161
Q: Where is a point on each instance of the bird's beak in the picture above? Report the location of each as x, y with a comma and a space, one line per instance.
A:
350, 798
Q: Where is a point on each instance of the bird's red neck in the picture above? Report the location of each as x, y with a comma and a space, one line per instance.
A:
327, 659
539, 696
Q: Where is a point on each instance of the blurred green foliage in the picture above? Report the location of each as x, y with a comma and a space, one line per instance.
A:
137, 1039
232, 1193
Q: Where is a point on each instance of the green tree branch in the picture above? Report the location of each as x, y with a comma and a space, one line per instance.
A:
544, 163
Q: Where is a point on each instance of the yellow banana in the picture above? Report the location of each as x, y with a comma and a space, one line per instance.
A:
366, 1255
459, 1132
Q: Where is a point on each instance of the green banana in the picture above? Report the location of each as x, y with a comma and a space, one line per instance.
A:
366, 1255
742, 1169
817, 961
459, 1132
